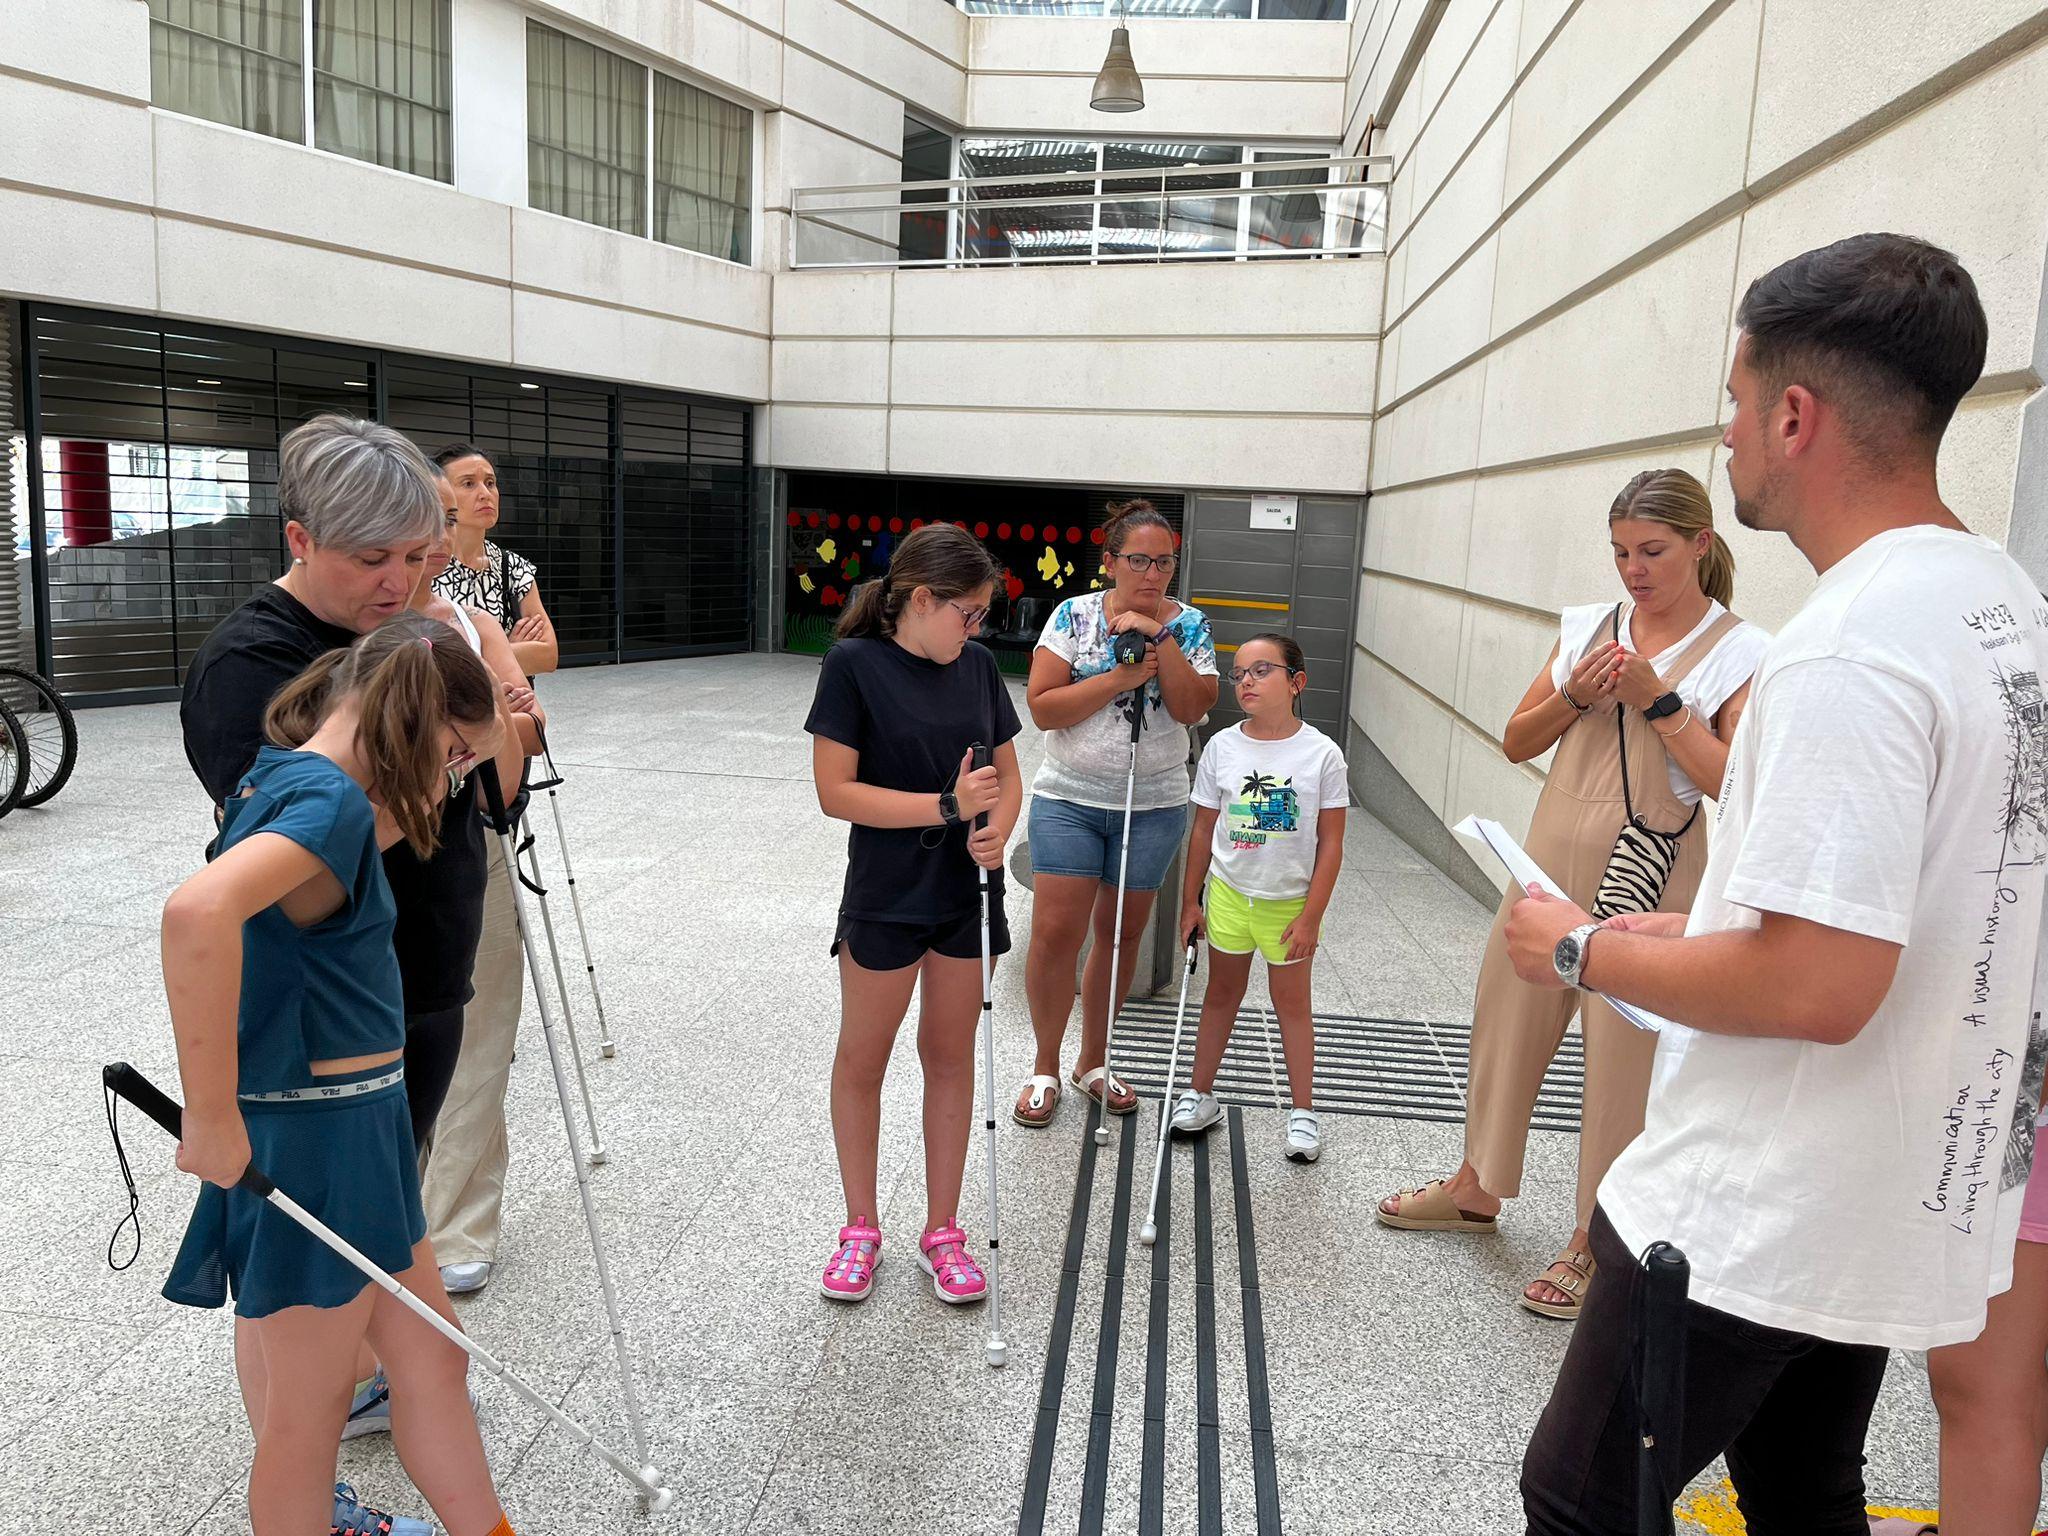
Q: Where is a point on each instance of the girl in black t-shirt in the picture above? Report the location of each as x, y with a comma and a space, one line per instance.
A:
903, 699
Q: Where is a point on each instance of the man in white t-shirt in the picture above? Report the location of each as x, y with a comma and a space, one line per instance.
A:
1830, 1134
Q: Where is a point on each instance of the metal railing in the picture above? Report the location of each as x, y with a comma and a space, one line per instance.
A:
1321, 207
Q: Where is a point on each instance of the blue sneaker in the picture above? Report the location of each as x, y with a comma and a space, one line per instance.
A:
370, 1413
354, 1518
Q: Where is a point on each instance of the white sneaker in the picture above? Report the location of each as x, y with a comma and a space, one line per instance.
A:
1304, 1136
461, 1279
1195, 1112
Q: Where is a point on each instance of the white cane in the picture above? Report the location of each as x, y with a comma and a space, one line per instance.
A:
131, 1085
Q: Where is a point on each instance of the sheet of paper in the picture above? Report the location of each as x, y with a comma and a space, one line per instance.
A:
1525, 872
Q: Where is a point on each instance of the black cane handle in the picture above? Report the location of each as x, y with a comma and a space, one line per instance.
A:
138, 1090
980, 757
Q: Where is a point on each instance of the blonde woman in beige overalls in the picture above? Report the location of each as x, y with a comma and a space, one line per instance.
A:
1679, 677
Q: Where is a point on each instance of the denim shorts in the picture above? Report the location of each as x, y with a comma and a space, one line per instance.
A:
1080, 840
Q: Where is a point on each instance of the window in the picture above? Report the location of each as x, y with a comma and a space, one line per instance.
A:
379, 90
1195, 10
588, 126
1130, 222
382, 83
586, 131
239, 62
703, 171
927, 156
152, 469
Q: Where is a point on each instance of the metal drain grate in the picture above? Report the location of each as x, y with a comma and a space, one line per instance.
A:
1399, 1069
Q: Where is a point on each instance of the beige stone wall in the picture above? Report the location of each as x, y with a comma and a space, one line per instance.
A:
1583, 189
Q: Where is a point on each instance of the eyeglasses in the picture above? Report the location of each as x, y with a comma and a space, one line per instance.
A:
971, 617
462, 758
1257, 672
1163, 564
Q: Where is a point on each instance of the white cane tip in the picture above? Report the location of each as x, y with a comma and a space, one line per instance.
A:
999, 1355
597, 1156
1101, 1136
608, 1050
1148, 1234
661, 1502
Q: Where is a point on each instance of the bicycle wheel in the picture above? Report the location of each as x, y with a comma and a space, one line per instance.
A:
46, 722
13, 760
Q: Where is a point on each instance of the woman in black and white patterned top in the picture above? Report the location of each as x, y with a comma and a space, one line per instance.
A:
487, 576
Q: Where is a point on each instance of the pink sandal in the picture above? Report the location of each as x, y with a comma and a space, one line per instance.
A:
956, 1278
850, 1272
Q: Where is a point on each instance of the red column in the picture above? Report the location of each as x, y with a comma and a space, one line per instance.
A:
88, 493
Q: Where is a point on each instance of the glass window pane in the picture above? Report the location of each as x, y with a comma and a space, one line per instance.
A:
1293, 222
927, 156
382, 83
1301, 10
239, 62
586, 131
703, 171
1044, 230
1137, 222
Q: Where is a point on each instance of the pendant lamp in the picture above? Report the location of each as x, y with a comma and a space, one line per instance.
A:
1118, 88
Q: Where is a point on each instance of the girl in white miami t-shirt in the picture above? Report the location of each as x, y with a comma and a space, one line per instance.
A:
1268, 841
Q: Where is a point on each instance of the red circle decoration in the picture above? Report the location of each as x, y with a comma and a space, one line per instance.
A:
916, 523
960, 524
1099, 536
813, 520
981, 530
1073, 535
793, 519
1002, 530
895, 525
1176, 541
1027, 533
832, 521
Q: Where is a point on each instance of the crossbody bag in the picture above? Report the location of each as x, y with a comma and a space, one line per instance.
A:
1640, 867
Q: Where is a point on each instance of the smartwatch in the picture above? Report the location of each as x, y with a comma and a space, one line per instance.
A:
1569, 958
1662, 705
949, 807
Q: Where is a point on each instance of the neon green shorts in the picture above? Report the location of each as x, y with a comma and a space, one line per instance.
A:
1238, 923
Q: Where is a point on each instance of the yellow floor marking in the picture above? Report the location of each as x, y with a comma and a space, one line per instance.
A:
1240, 602
1715, 1514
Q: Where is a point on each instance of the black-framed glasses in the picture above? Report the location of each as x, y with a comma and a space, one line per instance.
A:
1163, 564
971, 617
463, 758
1258, 672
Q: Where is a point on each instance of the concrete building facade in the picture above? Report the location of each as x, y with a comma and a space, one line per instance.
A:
1580, 190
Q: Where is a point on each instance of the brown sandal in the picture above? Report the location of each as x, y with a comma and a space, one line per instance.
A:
1571, 1272
1431, 1209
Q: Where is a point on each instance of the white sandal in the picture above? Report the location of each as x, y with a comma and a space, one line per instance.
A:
1092, 1083
1037, 1100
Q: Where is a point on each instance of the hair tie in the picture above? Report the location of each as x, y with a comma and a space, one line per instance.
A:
427, 641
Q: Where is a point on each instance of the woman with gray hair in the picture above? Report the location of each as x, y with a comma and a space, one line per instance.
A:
362, 508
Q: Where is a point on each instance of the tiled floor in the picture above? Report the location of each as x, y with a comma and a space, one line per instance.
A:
1403, 1380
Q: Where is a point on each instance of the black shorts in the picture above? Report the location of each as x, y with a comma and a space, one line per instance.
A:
877, 945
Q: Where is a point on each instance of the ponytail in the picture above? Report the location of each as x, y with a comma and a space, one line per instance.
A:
409, 677
869, 614
1717, 571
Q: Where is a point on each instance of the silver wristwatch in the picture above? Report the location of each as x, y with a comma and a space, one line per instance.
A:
1569, 958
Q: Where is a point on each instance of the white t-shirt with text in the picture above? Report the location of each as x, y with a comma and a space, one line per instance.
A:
1890, 779
1269, 794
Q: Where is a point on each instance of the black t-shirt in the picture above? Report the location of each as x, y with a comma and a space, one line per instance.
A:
911, 720
250, 655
